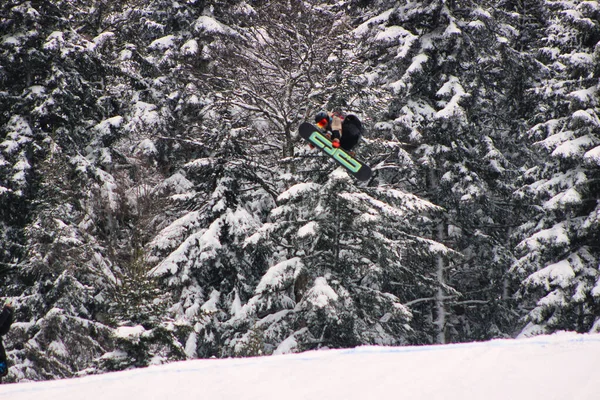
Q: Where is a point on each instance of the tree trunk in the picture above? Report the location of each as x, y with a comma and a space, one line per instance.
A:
440, 321
440, 308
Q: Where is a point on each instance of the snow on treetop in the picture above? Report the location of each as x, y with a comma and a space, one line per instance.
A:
555, 298
240, 221
561, 180
413, 113
544, 129
417, 63
209, 242
170, 236
415, 66
278, 275
176, 183
451, 30
297, 191
477, 24
289, 345
201, 246
451, 87
556, 235
580, 60
163, 43
557, 274
320, 295
438, 248
451, 108
170, 265
210, 25
144, 115
308, 230
58, 348
372, 205
105, 126
19, 134
569, 197
379, 19
20, 169
127, 332
210, 306
36, 91
54, 41
99, 40
397, 34
588, 97
14, 40
146, 147
575, 147
593, 155
588, 117
555, 139
199, 163
190, 47
339, 174
481, 13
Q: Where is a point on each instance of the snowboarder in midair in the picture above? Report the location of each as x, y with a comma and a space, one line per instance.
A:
343, 132
6, 319
337, 139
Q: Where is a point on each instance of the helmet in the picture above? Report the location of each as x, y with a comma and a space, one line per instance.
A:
322, 115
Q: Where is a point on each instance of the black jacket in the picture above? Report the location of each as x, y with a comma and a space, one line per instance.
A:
351, 132
6, 320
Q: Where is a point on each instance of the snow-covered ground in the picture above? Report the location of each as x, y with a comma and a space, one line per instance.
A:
561, 366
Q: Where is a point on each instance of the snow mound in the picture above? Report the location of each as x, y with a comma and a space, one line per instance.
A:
560, 366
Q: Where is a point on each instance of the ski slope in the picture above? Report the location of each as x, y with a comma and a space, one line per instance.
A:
560, 366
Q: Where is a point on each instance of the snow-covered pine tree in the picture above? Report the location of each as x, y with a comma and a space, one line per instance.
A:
152, 45
76, 86
558, 249
342, 263
441, 60
49, 93
200, 255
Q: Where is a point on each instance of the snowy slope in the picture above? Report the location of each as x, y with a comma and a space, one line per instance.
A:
561, 366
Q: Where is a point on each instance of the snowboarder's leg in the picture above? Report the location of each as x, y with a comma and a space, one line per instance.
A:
349, 138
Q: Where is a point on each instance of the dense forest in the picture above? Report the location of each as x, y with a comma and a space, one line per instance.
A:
157, 204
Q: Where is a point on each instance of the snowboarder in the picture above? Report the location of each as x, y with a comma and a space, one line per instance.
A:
343, 132
337, 139
6, 319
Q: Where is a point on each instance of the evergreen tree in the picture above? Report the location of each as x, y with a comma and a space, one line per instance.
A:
76, 138
341, 265
202, 258
48, 107
558, 261
442, 61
